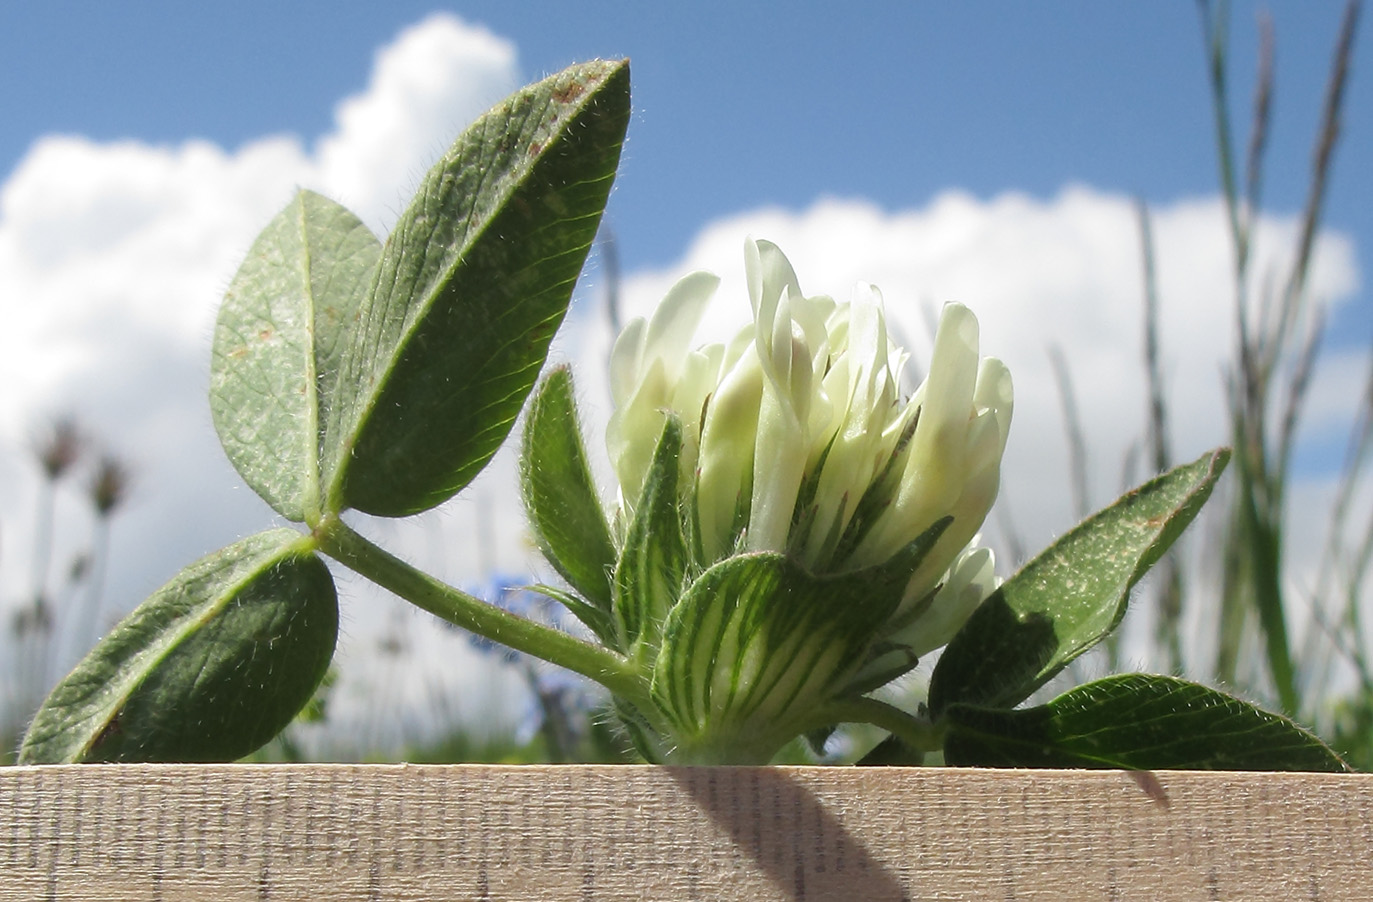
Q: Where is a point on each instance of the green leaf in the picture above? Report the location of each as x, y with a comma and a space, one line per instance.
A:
473, 282
559, 495
277, 343
1071, 596
757, 642
1262, 537
649, 575
209, 668
1136, 721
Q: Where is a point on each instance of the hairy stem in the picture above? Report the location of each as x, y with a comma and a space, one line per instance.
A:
917, 732
336, 539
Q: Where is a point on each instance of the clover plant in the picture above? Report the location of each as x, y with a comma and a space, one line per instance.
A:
789, 533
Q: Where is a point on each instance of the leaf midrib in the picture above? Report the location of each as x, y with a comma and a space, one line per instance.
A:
140, 665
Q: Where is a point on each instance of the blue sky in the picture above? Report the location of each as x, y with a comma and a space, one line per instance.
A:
987, 153
738, 104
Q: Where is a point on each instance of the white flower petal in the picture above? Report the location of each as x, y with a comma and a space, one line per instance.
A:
768, 273
725, 459
935, 460
971, 578
674, 322
626, 359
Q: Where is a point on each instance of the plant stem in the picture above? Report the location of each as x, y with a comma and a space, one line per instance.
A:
917, 732
336, 539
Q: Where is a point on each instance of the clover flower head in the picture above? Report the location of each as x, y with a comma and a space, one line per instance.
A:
789, 532
796, 438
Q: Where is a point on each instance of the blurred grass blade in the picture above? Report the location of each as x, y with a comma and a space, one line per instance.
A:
1071, 596
1169, 582
1253, 582
1136, 722
1072, 427
276, 343
209, 668
473, 282
560, 497
1260, 539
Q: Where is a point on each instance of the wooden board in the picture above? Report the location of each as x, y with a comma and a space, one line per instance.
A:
429, 833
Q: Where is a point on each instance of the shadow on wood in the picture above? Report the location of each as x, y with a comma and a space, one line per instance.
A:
384, 833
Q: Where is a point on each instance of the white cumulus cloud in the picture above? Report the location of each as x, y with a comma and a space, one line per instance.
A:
426, 85
113, 258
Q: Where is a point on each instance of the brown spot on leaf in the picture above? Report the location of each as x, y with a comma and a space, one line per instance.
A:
109, 731
569, 92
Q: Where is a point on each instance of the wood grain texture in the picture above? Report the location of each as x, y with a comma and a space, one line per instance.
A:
430, 833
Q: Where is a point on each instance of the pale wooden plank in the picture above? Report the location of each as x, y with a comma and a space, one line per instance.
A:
423, 834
